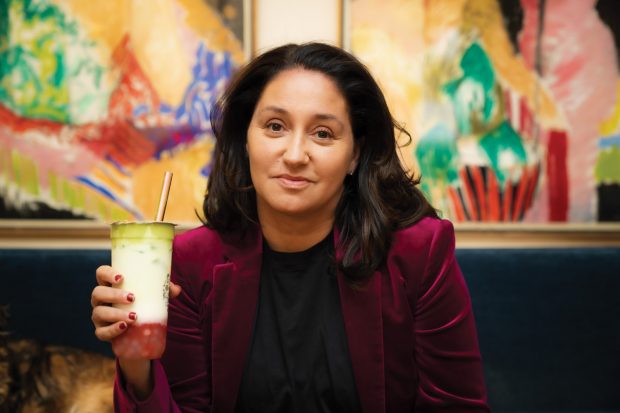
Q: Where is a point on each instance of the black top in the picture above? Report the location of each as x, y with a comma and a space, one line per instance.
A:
299, 359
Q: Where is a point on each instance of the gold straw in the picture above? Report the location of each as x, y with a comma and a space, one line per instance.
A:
163, 199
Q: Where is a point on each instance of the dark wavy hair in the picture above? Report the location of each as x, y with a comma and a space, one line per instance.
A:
378, 198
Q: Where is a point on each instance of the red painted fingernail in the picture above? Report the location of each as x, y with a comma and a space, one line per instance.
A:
132, 316
130, 297
122, 326
117, 278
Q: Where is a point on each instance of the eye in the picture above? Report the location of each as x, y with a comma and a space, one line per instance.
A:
274, 127
323, 134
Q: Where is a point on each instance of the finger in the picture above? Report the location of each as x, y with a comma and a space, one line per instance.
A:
175, 290
111, 331
103, 316
106, 275
103, 295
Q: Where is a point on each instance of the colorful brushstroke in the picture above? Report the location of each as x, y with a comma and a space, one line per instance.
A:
98, 98
501, 136
607, 168
578, 67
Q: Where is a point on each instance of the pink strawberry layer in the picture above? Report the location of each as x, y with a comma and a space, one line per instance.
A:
145, 341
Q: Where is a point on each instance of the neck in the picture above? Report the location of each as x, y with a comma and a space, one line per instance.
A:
290, 234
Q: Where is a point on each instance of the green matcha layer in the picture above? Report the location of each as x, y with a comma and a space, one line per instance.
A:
142, 230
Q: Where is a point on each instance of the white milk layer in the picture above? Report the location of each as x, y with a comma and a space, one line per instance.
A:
145, 267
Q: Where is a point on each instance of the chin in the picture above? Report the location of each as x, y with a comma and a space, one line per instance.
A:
289, 208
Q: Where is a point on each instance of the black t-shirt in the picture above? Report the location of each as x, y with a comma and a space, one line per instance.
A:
299, 358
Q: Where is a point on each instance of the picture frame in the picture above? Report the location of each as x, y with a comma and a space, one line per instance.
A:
72, 234
126, 102
546, 166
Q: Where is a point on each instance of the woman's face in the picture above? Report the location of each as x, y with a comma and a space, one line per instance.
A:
300, 145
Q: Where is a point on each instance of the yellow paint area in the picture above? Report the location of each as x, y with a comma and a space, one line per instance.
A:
104, 20
390, 43
155, 35
441, 16
61, 193
206, 22
188, 185
159, 31
25, 173
114, 182
611, 125
485, 18
414, 27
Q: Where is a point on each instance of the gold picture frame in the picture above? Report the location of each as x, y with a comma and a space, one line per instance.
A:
74, 234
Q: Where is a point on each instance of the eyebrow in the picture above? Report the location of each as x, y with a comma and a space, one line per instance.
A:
320, 116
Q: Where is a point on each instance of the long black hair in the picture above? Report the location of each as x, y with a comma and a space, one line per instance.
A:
378, 198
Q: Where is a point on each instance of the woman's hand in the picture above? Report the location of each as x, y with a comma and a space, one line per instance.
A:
111, 322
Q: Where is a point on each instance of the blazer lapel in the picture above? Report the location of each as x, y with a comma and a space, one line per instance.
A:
361, 310
235, 297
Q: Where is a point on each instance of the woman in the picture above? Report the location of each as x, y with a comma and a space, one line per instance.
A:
322, 280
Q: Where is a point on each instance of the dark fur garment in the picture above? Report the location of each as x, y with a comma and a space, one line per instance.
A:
37, 378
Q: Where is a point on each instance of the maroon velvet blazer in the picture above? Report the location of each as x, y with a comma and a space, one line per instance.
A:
411, 332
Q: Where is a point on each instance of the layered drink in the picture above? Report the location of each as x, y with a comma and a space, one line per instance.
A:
142, 252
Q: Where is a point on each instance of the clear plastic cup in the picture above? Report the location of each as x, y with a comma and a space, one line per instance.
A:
142, 253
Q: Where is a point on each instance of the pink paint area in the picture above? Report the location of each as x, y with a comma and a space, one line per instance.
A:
49, 154
578, 66
143, 341
70, 150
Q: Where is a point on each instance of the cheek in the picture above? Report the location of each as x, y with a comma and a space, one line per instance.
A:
338, 163
254, 150
260, 160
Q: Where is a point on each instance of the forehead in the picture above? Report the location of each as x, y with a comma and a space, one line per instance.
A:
299, 88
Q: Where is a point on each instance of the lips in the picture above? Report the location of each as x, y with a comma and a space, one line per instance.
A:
292, 181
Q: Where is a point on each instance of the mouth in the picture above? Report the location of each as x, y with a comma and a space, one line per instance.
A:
294, 182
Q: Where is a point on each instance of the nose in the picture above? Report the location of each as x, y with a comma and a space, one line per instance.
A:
296, 151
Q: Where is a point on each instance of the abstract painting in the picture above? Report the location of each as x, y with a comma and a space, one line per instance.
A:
513, 105
99, 98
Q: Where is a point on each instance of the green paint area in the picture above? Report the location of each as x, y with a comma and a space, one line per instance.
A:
48, 70
53, 186
437, 156
80, 199
607, 168
30, 178
4, 27
68, 193
504, 148
118, 214
474, 96
15, 167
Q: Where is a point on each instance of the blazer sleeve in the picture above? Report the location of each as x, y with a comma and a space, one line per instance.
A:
181, 378
446, 343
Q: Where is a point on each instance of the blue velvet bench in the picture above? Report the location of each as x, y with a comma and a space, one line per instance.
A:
548, 319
